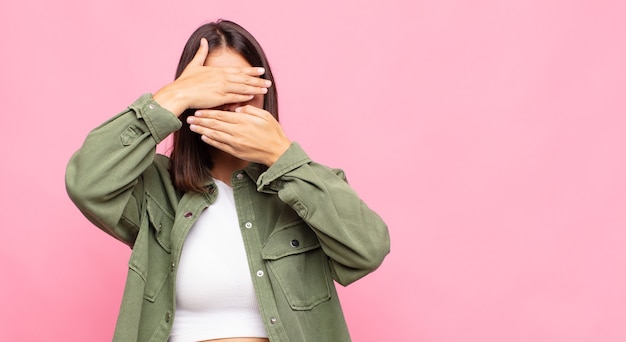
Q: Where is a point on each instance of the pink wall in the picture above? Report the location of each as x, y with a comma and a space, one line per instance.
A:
491, 136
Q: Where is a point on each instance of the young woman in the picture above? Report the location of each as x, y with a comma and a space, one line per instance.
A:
238, 235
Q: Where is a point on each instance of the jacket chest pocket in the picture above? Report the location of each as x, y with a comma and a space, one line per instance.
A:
297, 263
151, 256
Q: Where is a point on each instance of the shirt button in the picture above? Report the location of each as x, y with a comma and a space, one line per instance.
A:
173, 267
188, 214
151, 106
273, 320
259, 273
248, 225
168, 316
295, 243
240, 176
211, 189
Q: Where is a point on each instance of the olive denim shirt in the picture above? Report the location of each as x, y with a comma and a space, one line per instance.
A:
303, 226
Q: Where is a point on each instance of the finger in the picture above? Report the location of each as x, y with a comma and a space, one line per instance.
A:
243, 89
249, 80
210, 129
252, 71
218, 144
237, 98
213, 137
215, 115
201, 54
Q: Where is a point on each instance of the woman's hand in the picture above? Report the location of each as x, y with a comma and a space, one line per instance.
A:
249, 133
202, 86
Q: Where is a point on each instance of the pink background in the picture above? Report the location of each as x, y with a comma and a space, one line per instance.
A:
490, 135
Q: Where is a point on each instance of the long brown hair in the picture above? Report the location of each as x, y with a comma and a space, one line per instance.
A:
190, 160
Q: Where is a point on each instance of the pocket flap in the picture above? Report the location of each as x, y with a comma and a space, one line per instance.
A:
162, 222
295, 238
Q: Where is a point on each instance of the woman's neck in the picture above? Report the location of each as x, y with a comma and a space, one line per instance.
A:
224, 165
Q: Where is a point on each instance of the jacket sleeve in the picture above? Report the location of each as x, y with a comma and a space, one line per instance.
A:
353, 236
104, 177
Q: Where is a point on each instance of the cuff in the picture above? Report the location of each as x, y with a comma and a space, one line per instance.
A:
292, 159
160, 121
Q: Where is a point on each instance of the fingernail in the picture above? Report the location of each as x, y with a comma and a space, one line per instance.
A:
238, 109
196, 113
268, 83
261, 70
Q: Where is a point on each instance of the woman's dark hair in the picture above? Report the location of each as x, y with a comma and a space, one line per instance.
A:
190, 162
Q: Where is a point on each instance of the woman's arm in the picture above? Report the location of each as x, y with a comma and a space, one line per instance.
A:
353, 236
103, 177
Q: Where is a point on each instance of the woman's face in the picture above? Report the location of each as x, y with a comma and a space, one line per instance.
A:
225, 57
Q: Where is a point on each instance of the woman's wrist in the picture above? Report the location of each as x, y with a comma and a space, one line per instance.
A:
170, 99
278, 152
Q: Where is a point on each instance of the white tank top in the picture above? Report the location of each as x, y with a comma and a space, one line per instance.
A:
214, 292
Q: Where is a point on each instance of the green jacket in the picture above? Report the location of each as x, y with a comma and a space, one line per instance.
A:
302, 226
